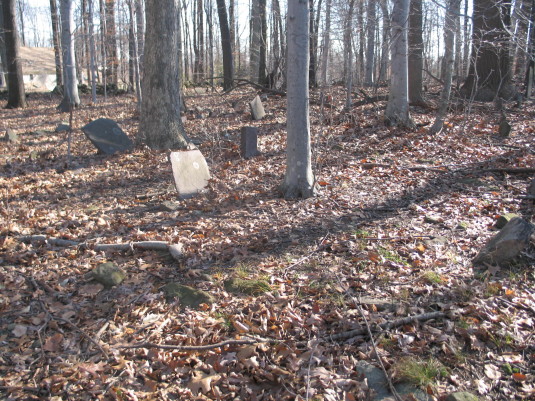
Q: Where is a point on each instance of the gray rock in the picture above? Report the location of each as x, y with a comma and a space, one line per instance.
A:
461, 396
107, 136
257, 109
188, 296
531, 188
108, 274
505, 246
381, 304
249, 142
190, 172
377, 382
62, 127
11, 136
504, 219
169, 206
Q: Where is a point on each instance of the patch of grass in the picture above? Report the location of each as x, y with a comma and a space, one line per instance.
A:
359, 233
392, 256
493, 289
225, 318
419, 372
249, 286
432, 277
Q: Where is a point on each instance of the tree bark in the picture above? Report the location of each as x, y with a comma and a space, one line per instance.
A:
111, 42
262, 61
226, 44
397, 109
449, 58
135, 51
348, 53
161, 125
299, 179
326, 44
416, 50
15, 83
92, 54
385, 42
56, 41
370, 48
254, 41
489, 75
70, 92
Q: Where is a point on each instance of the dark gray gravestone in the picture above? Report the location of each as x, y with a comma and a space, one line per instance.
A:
249, 142
107, 136
11, 136
257, 109
190, 172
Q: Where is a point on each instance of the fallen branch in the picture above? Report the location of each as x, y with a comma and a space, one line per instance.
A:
49, 240
388, 325
257, 86
509, 170
151, 195
207, 347
144, 245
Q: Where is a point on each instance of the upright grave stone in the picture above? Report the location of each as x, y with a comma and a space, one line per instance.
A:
107, 136
11, 136
249, 142
257, 109
190, 172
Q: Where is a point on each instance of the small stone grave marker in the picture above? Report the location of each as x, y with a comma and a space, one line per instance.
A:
257, 109
190, 172
11, 136
249, 142
107, 136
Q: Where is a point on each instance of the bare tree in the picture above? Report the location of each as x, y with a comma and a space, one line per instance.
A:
449, 59
299, 179
70, 83
416, 54
56, 41
397, 109
226, 44
15, 83
371, 26
92, 53
326, 43
161, 125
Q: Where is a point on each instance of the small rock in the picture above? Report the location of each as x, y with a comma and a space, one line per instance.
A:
381, 304
504, 219
461, 396
433, 219
169, 206
108, 274
11, 136
188, 296
531, 188
63, 127
505, 246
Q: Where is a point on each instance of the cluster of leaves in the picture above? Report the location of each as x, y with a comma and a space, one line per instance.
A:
397, 220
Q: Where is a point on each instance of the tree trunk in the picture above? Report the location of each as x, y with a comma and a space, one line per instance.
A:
140, 20
226, 44
299, 179
370, 49
255, 39
313, 26
161, 125
56, 41
449, 38
210, 23
326, 44
70, 92
3, 57
135, 51
416, 51
111, 42
102, 9
15, 83
21, 6
262, 60
199, 48
530, 69
348, 53
397, 109
92, 54
385, 42
489, 75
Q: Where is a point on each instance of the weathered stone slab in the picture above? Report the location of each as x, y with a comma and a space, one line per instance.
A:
11, 136
109, 274
249, 142
107, 136
505, 246
190, 172
257, 109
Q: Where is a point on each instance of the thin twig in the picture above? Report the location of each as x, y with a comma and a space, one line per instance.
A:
206, 347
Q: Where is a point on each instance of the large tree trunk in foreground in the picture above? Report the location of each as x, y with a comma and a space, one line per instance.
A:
161, 125
226, 44
299, 179
490, 73
15, 83
397, 109
70, 83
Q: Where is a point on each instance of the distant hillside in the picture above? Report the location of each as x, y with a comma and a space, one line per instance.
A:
37, 60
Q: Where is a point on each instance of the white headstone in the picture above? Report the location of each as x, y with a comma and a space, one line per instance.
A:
190, 172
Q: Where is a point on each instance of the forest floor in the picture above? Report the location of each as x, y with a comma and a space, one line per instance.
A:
398, 217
